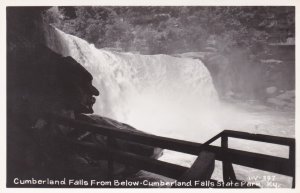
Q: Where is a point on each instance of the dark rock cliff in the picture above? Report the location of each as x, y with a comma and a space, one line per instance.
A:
42, 81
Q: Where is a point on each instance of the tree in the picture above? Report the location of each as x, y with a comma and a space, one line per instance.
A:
178, 29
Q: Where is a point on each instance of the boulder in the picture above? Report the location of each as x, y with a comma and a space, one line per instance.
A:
287, 95
285, 99
271, 90
276, 102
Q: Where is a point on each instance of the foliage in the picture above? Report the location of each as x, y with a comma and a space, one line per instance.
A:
233, 40
153, 30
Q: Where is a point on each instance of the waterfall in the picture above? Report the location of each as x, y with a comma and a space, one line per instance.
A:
168, 96
160, 94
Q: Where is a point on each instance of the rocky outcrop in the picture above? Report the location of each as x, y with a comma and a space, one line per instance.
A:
285, 100
239, 75
38, 81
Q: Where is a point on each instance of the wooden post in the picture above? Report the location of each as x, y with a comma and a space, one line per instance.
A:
228, 172
292, 159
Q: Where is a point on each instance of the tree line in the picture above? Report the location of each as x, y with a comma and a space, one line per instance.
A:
176, 29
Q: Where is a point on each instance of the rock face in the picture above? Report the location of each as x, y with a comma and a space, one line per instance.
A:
284, 100
40, 80
43, 78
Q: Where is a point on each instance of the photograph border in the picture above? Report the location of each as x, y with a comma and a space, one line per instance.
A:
132, 3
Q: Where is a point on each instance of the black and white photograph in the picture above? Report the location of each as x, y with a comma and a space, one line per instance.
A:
150, 96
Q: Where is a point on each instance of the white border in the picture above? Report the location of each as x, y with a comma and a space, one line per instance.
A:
4, 3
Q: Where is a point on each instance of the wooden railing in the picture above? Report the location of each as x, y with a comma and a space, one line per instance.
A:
284, 166
271, 163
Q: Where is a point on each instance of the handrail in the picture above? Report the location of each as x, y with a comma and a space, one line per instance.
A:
249, 159
152, 165
260, 137
228, 172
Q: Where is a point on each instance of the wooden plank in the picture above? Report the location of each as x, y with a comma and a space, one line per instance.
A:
213, 138
249, 159
140, 162
260, 137
147, 139
258, 161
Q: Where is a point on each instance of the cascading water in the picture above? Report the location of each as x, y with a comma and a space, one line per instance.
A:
171, 97
159, 94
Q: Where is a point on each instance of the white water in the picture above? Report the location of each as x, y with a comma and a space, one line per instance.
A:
159, 94
172, 97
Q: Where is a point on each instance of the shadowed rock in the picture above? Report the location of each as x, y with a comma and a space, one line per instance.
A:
38, 81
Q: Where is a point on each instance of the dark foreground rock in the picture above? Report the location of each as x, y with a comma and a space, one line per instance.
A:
40, 81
